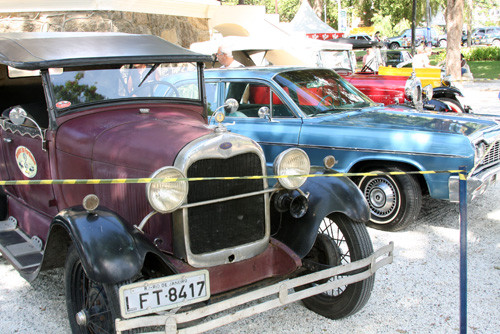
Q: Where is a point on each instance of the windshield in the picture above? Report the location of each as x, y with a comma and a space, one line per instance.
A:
81, 86
336, 59
321, 91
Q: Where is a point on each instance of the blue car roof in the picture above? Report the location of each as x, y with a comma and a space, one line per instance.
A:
253, 72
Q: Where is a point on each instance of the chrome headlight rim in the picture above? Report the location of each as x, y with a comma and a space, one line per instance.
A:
481, 148
428, 92
286, 164
177, 193
412, 90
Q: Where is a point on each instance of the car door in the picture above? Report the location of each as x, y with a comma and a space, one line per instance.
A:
27, 158
276, 132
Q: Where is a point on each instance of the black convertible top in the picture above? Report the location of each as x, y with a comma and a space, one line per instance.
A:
32, 51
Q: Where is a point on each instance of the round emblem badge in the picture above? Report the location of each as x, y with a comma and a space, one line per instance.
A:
219, 117
63, 104
26, 161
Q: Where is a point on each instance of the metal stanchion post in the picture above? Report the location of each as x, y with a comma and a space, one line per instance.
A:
463, 249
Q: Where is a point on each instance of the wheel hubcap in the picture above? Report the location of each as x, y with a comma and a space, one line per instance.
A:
81, 318
382, 196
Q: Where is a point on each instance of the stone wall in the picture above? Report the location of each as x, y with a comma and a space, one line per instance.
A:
176, 29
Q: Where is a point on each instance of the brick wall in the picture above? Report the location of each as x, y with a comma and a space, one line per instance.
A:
180, 30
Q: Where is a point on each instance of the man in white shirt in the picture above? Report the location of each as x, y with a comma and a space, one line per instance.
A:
225, 57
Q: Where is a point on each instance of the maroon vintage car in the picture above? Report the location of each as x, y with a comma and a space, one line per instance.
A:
111, 171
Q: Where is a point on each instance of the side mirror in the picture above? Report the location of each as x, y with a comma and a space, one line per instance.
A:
264, 112
18, 116
231, 105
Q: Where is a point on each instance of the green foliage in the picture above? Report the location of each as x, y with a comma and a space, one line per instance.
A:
73, 91
491, 53
383, 24
485, 69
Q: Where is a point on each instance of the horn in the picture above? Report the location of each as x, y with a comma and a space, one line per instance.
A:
299, 206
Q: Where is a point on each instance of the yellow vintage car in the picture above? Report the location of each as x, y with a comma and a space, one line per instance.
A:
428, 76
443, 88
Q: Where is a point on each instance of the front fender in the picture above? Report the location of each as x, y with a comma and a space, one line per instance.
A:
110, 251
327, 195
443, 91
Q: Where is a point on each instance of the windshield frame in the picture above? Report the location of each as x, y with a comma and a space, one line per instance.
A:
196, 69
282, 79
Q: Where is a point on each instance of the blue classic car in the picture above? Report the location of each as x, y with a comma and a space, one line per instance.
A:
318, 111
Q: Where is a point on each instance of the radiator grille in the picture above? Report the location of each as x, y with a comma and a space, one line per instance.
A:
229, 223
493, 155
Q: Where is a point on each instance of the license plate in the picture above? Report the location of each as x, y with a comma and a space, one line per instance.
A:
164, 293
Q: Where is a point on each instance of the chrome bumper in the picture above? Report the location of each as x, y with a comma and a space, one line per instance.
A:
476, 184
281, 291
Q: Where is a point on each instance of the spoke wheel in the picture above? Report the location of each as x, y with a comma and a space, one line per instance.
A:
394, 200
92, 307
340, 241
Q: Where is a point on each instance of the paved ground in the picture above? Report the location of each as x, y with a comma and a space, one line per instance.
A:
418, 293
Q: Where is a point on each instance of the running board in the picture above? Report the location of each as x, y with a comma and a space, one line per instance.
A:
23, 253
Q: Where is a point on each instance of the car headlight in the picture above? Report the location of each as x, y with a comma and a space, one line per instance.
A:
480, 151
413, 88
293, 161
428, 92
167, 197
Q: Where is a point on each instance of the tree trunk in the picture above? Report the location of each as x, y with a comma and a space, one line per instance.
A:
454, 22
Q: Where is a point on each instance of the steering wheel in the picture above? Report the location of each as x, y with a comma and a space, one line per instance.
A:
323, 99
152, 84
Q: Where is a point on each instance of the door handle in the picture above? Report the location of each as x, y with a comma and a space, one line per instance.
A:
7, 140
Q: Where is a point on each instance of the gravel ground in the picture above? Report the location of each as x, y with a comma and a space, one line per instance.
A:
418, 293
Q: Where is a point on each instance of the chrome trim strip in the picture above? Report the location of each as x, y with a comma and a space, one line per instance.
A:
361, 150
255, 193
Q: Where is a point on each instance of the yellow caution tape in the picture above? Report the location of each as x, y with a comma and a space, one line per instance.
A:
462, 174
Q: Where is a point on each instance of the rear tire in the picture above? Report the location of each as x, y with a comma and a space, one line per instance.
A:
443, 43
341, 240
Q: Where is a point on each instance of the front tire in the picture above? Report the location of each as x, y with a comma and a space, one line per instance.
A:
95, 305
341, 240
394, 200
393, 46
443, 43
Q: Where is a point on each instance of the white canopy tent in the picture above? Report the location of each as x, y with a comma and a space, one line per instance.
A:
307, 23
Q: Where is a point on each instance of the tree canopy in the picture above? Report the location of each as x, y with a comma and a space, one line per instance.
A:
388, 16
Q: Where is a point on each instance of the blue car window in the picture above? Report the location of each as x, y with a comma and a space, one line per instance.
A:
321, 91
252, 96
211, 93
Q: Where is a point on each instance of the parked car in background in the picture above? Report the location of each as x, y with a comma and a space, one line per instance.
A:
443, 39
395, 57
359, 41
422, 35
443, 88
318, 111
486, 36
388, 90
105, 115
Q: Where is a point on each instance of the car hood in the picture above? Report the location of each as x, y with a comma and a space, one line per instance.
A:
129, 138
402, 118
